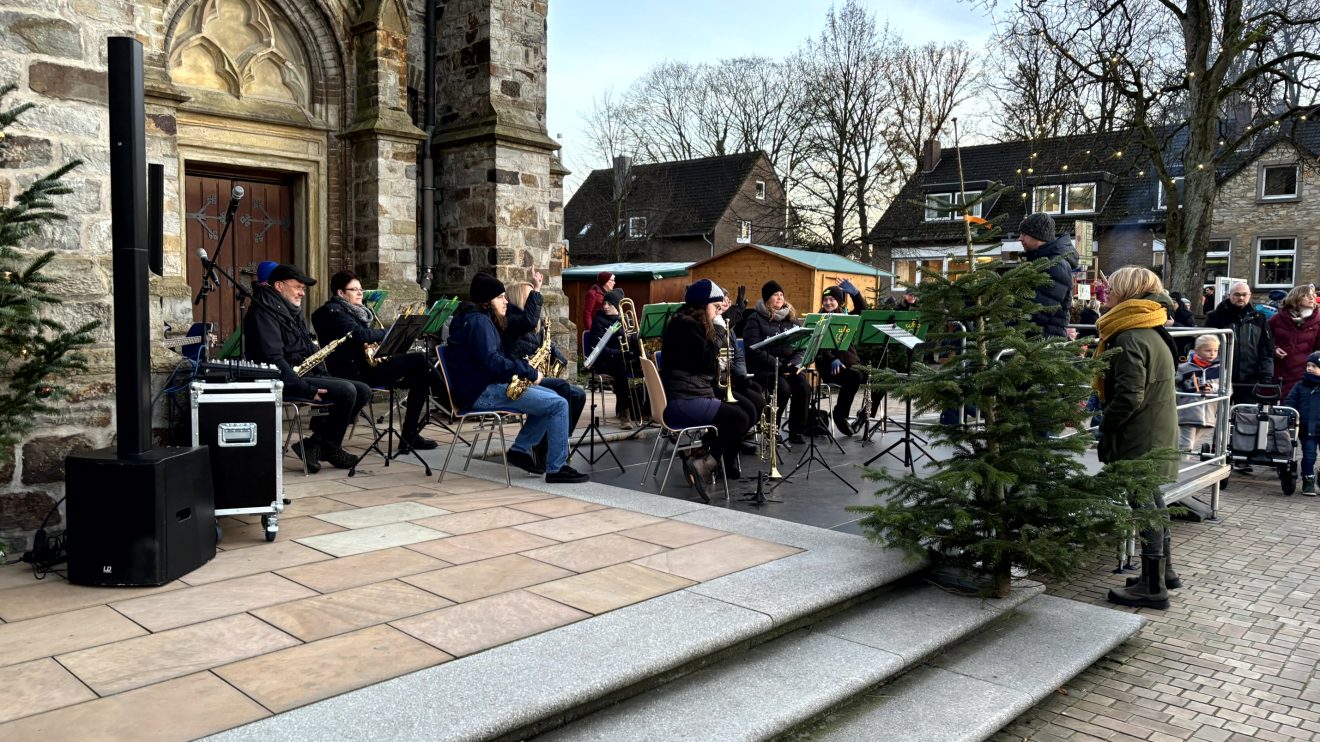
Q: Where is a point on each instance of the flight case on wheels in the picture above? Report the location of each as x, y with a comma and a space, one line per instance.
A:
241, 423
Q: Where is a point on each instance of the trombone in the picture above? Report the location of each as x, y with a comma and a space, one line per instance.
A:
631, 325
630, 329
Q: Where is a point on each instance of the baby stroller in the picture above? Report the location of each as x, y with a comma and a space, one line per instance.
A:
1265, 434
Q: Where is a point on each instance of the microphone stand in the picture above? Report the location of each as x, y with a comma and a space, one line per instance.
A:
209, 280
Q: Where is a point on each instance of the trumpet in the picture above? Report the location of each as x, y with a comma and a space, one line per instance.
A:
726, 365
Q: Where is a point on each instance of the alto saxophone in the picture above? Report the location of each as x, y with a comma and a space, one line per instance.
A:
315, 359
539, 361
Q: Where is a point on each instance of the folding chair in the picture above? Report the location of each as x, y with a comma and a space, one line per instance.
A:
656, 391
293, 409
488, 421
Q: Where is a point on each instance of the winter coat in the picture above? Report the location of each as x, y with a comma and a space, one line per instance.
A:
1055, 296
1194, 383
690, 360
826, 357
1140, 412
1253, 343
275, 332
595, 298
1305, 398
475, 357
522, 330
333, 320
759, 327
612, 354
1298, 340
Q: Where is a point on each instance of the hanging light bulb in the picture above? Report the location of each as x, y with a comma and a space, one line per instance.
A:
1065, 168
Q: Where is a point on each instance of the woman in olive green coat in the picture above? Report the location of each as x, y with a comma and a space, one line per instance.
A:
1140, 408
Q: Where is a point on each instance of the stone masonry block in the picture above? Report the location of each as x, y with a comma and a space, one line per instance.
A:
43, 458
69, 83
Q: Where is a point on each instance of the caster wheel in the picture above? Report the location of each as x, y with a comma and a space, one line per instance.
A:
270, 525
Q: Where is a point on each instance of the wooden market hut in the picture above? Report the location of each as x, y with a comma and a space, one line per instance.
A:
804, 274
644, 283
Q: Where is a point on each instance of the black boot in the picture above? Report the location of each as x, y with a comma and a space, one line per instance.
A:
1149, 592
1171, 579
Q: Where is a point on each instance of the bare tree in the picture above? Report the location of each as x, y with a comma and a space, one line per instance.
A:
926, 84
1186, 63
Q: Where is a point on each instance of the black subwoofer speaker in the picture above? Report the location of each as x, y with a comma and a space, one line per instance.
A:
140, 521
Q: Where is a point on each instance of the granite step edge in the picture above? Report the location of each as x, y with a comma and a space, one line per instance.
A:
977, 688
777, 685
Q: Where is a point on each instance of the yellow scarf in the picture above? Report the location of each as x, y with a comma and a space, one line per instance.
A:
1128, 315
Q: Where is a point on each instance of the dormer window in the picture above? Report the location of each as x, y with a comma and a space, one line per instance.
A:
1278, 182
760, 190
936, 203
636, 227
1047, 199
1081, 198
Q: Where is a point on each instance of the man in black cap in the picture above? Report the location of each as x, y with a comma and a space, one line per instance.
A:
479, 371
275, 332
1036, 232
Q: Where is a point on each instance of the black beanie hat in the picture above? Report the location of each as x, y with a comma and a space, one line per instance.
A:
613, 297
1038, 225
702, 292
770, 288
836, 292
485, 287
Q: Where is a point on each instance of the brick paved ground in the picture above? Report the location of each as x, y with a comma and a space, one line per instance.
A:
1234, 657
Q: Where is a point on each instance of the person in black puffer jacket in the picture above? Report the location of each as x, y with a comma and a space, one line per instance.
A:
1253, 342
1039, 242
344, 313
689, 374
772, 316
274, 332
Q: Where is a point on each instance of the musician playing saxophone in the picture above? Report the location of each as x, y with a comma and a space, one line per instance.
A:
344, 313
522, 336
613, 362
275, 332
479, 371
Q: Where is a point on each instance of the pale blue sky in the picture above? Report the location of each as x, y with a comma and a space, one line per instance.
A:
596, 45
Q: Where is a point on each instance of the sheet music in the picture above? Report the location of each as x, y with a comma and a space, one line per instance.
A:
899, 335
783, 337
602, 344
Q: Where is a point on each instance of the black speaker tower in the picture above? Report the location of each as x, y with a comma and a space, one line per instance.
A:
135, 515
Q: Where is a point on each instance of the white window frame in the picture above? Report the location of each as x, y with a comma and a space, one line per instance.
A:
636, 227
585, 228
1297, 183
1095, 197
1226, 254
744, 233
951, 198
1035, 202
1161, 203
1262, 253
760, 190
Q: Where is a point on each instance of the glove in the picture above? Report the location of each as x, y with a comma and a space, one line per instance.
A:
849, 288
742, 296
836, 367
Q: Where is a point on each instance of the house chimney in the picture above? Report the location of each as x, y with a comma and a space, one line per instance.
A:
621, 167
930, 155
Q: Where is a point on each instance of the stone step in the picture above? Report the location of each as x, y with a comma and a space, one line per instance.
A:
978, 687
778, 685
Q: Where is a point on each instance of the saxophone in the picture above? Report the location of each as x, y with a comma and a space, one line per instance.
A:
540, 361
315, 359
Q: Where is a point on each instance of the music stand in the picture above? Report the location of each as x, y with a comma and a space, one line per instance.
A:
654, 318
869, 335
398, 339
832, 331
910, 341
592, 431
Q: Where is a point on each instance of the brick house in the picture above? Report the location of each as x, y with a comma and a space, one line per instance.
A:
1264, 224
678, 211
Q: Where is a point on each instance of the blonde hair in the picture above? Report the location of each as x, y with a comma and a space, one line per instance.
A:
1205, 341
1132, 282
1293, 301
517, 293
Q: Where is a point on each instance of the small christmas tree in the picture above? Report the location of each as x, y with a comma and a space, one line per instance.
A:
34, 350
1014, 492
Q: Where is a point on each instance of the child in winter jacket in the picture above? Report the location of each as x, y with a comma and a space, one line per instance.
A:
1305, 398
1197, 379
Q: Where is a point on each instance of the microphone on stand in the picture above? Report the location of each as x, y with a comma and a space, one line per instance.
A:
235, 196
206, 259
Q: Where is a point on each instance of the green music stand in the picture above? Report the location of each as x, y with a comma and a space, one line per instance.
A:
233, 346
655, 317
822, 337
439, 312
375, 299
869, 318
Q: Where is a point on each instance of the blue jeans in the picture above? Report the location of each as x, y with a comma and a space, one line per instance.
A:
547, 416
1308, 455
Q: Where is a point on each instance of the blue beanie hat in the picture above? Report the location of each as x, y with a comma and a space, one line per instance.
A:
702, 292
264, 269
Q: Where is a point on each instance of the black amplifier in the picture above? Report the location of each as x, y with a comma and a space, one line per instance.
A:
242, 425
